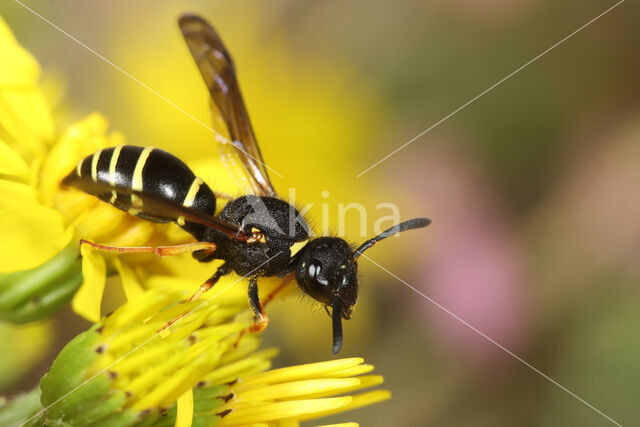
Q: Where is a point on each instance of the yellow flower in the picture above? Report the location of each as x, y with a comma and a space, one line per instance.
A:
32, 232
122, 370
38, 219
299, 393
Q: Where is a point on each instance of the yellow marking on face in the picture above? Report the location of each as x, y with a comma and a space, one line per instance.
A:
191, 194
180, 220
79, 168
136, 182
112, 165
114, 196
94, 165
133, 211
295, 248
136, 201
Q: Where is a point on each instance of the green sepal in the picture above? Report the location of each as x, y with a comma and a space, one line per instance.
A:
86, 398
126, 418
35, 294
99, 408
20, 409
206, 401
68, 372
73, 397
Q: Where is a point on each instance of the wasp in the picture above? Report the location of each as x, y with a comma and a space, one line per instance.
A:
255, 235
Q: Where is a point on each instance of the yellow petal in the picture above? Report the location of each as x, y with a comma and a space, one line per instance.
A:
31, 235
101, 220
11, 163
130, 283
31, 107
185, 409
15, 193
358, 401
282, 410
310, 370
297, 389
25, 118
352, 372
137, 234
86, 302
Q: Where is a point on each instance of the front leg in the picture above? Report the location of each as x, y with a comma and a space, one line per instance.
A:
221, 271
261, 320
254, 301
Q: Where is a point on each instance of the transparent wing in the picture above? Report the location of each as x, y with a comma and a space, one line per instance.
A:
156, 205
217, 69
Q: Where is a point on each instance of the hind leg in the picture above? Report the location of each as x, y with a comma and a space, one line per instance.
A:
205, 247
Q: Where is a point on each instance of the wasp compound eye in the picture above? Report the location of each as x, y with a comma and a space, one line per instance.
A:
317, 283
313, 271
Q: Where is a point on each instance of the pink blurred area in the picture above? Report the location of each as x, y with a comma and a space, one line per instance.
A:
475, 267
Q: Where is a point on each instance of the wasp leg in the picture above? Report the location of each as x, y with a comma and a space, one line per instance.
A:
221, 271
158, 250
258, 308
261, 320
254, 301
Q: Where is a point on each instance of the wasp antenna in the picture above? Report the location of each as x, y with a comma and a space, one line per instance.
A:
337, 325
409, 224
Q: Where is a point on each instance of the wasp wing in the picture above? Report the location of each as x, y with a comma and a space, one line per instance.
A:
153, 207
217, 69
155, 204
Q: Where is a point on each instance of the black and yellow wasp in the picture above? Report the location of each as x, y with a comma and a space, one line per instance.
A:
254, 234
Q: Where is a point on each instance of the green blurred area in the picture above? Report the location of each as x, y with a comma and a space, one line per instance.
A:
542, 171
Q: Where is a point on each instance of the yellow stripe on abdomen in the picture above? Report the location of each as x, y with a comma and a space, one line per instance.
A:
94, 165
112, 165
136, 181
191, 194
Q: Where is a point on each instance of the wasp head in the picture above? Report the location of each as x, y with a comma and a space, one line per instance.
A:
327, 270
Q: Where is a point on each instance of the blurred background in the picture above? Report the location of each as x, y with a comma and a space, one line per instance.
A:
533, 189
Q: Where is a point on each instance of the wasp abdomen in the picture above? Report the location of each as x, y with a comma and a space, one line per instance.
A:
123, 176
